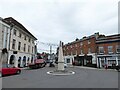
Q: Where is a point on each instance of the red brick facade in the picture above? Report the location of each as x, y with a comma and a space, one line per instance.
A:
92, 46
110, 48
79, 48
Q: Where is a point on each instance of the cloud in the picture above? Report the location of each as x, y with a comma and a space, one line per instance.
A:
54, 20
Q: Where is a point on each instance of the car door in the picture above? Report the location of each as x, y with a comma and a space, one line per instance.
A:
12, 70
5, 71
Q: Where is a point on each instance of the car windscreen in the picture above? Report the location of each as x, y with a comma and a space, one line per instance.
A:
4, 66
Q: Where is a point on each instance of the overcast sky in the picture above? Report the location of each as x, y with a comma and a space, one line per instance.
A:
53, 20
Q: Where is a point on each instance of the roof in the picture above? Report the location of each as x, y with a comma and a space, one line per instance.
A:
109, 39
1, 19
83, 39
12, 21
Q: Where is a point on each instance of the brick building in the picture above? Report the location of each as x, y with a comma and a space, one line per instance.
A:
108, 50
95, 51
82, 51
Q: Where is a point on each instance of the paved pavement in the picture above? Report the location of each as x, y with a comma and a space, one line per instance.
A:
84, 77
84, 67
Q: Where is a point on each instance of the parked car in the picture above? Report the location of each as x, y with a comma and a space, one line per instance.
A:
9, 71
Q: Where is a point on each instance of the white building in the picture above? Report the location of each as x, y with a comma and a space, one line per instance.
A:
4, 40
22, 48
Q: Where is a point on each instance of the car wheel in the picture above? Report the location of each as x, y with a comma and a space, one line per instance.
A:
18, 72
0, 74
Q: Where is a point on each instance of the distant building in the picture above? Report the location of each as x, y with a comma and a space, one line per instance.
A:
21, 44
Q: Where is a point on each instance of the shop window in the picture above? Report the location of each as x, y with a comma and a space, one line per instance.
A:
118, 48
68, 60
118, 57
118, 62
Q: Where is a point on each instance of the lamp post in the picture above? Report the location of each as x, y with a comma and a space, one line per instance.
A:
51, 53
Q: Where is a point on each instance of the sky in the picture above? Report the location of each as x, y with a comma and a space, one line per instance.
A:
52, 21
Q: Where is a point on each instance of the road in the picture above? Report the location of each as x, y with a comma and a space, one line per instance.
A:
83, 78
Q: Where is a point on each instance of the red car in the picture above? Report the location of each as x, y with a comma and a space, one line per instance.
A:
9, 71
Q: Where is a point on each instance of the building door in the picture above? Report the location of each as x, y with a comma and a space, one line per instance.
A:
19, 62
12, 60
81, 58
28, 61
89, 60
98, 62
102, 63
24, 61
32, 60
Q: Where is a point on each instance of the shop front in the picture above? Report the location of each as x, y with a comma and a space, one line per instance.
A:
84, 60
110, 60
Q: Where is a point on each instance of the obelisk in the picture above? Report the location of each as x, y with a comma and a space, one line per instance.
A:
60, 58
